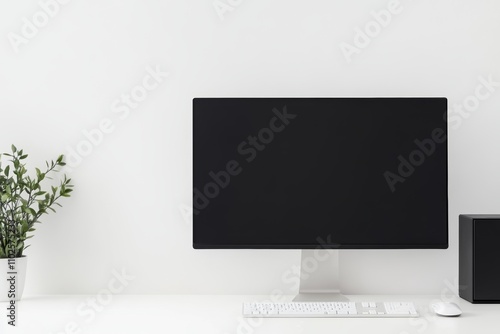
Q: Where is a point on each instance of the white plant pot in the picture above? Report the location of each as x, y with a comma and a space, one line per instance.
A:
20, 277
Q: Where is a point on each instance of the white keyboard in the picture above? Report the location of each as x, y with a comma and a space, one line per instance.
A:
330, 310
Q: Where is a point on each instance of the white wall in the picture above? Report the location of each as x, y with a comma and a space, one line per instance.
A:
129, 188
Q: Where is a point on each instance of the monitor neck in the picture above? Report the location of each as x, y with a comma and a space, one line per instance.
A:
319, 276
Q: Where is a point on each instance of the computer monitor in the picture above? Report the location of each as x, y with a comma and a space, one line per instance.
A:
320, 174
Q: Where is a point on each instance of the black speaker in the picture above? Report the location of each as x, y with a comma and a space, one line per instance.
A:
479, 258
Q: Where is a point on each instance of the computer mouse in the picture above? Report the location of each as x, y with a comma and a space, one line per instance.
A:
447, 309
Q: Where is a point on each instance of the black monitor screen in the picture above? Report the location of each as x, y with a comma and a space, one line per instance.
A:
308, 172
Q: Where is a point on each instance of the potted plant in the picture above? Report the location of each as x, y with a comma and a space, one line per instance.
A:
22, 202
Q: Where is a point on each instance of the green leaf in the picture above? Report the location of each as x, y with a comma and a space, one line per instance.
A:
14, 149
6, 171
24, 224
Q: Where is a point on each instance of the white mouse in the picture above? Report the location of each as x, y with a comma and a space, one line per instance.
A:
447, 309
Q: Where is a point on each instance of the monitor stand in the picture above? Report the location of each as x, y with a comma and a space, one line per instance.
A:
319, 276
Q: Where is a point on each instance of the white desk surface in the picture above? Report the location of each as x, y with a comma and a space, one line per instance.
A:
207, 314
